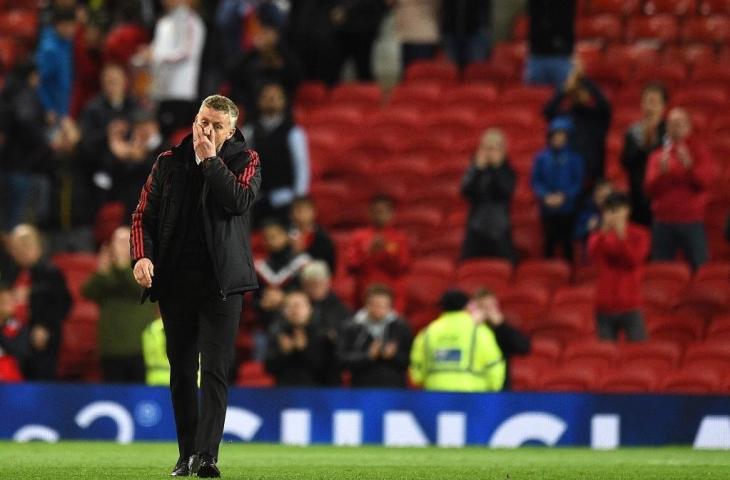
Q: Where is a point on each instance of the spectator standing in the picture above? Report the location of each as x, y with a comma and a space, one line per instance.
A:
417, 28
122, 318
589, 219
583, 102
356, 25
488, 186
329, 315
311, 37
484, 307
284, 154
642, 138
308, 236
42, 302
24, 165
55, 61
376, 345
551, 40
294, 355
557, 179
14, 341
465, 25
455, 353
677, 181
174, 57
619, 250
379, 253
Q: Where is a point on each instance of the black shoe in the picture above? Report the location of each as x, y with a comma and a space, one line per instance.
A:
186, 466
208, 468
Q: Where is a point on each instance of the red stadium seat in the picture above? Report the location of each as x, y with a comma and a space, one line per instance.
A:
713, 354
571, 378
496, 72
629, 381
472, 96
711, 7
705, 99
583, 296
657, 355
691, 55
657, 28
253, 374
394, 121
524, 306
525, 374
419, 96
617, 7
707, 298
83, 312
420, 222
713, 271
565, 324
454, 123
527, 240
691, 381
544, 350
517, 118
609, 76
20, 24
712, 72
719, 328
670, 7
425, 290
529, 96
707, 30
434, 265
678, 329
621, 55
364, 95
550, 274
432, 71
486, 270
669, 74
591, 353
663, 282
605, 27
8, 53
311, 94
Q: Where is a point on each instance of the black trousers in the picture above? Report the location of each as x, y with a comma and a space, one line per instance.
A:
126, 369
199, 326
558, 231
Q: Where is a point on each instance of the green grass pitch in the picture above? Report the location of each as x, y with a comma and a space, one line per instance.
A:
102, 460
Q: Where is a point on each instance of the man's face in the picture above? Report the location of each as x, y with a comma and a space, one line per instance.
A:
6, 305
617, 217
678, 125
378, 306
602, 191
66, 29
217, 123
558, 139
302, 213
493, 149
652, 104
381, 213
297, 309
272, 100
317, 288
275, 238
25, 247
487, 303
113, 82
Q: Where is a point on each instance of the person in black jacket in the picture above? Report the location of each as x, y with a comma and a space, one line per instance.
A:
376, 346
642, 138
465, 27
484, 307
190, 249
583, 102
488, 187
330, 314
40, 289
551, 39
308, 236
295, 355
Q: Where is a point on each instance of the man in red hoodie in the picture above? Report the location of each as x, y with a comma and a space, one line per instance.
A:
619, 250
677, 180
379, 253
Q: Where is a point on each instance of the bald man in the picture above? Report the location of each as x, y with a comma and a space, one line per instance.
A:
677, 181
42, 301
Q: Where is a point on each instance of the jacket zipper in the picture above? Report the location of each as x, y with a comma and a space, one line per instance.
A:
209, 234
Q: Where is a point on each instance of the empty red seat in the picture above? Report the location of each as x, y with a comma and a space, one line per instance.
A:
713, 354
583, 296
334, 116
525, 374
253, 374
425, 290
472, 96
367, 95
617, 7
694, 381
454, 123
663, 283
571, 378
629, 381
433, 265
419, 96
551, 274
526, 95
691, 55
499, 271
670, 7
713, 72
83, 312
659, 28
605, 27
496, 72
447, 244
708, 30
679, 329
544, 350
707, 298
701, 99
565, 324
710, 7
311, 94
719, 328
591, 353
20, 23
713, 271
524, 305
419, 222
432, 71
79, 338
670, 74
85, 262
656, 355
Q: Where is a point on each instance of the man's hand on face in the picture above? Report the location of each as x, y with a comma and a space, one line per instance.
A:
144, 270
203, 142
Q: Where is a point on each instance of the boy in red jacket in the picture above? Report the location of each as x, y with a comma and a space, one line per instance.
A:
379, 253
677, 180
619, 250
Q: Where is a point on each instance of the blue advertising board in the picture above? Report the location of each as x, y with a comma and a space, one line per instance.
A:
54, 412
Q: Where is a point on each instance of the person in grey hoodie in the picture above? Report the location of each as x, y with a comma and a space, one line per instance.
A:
375, 347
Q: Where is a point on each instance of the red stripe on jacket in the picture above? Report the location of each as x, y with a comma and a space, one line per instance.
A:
244, 178
137, 235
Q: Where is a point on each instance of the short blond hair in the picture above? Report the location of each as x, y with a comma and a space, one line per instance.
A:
315, 270
222, 104
494, 134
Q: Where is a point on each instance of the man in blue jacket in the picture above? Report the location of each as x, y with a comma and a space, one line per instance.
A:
557, 179
54, 58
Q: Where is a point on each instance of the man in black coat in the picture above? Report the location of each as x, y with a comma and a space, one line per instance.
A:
40, 289
488, 186
190, 249
376, 346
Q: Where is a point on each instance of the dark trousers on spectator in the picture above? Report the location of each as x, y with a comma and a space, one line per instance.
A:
199, 325
558, 231
359, 47
411, 52
175, 114
476, 246
689, 238
126, 369
610, 324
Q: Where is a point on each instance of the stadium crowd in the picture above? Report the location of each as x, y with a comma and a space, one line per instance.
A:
96, 90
